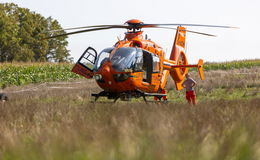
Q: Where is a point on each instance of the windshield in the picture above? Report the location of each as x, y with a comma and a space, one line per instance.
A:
102, 57
125, 58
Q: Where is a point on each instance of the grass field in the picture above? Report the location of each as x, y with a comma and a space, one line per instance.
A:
57, 121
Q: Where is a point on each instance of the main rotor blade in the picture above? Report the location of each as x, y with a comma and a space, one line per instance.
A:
133, 26
180, 24
96, 26
81, 31
129, 26
205, 34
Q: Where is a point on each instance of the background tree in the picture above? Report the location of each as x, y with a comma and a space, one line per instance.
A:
22, 34
9, 42
57, 50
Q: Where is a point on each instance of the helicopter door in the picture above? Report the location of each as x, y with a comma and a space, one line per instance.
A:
86, 62
147, 66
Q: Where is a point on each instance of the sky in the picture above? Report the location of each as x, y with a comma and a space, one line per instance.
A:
230, 44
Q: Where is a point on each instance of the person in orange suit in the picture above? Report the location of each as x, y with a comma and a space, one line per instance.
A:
189, 84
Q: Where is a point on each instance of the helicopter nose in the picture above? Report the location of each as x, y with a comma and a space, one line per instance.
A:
106, 74
106, 69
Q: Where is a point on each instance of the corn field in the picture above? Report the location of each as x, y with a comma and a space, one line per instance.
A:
232, 65
21, 74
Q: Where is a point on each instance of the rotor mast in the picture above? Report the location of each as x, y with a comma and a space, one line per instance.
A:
134, 31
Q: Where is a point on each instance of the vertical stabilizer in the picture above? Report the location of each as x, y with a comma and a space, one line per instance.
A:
179, 43
178, 55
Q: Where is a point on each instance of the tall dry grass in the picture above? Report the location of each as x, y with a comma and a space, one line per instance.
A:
63, 129
235, 78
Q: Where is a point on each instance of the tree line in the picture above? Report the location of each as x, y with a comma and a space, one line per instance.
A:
22, 34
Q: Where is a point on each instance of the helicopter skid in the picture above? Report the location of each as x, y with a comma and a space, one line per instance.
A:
126, 96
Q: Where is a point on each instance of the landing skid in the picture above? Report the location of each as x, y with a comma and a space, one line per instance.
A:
127, 96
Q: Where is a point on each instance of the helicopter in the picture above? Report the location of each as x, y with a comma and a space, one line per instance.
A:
135, 66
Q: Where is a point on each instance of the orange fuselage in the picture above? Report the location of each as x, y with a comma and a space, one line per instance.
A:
121, 69
135, 80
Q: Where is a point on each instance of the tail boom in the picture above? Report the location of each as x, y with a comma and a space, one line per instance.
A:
171, 67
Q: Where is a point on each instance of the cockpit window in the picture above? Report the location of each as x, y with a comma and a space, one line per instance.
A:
156, 63
125, 58
102, 57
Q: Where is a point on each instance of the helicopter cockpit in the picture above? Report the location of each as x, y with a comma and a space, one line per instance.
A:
125, 59
130, 59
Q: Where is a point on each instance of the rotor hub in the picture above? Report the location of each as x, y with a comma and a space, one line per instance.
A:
134, 24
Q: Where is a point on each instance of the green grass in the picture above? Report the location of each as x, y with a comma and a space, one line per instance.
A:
216, 94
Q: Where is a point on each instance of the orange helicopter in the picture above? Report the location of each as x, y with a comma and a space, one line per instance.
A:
136, 66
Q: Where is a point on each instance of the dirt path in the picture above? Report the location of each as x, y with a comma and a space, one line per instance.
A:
56, 89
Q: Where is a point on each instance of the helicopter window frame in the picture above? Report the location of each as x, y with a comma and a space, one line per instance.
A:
85, 59
124, 58
99, 61
156, 63
147, 66
138, 65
